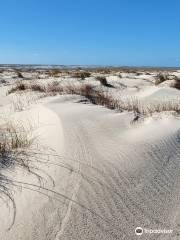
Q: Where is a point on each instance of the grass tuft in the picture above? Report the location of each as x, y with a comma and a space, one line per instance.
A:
103, 81
22, 86
81, 74
19, 74
161, 78
55, 73
176, 83
13, 138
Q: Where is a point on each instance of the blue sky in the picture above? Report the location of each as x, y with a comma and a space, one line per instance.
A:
105, 32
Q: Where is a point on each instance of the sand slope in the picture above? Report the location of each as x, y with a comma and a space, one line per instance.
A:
129, 174
124, 176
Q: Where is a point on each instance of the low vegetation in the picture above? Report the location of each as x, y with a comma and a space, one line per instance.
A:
81, 74
174, 80
13, 139
100, 97
2, 81
161, 77
55, 73
22, 86
18, 151
103, 81
19, 74
119, 75
176, 83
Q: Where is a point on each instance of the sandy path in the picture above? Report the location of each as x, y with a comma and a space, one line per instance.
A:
126, 176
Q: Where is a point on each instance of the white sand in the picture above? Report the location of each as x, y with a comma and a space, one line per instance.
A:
124, 175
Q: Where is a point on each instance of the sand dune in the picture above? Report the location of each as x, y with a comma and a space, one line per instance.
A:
105, 174
132, 175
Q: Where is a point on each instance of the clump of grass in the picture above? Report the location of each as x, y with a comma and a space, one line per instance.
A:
161, 78
94, 96
176, 83
15, 146
22, 86
103, 81
55, 72
81, 74
22, 101
102, 70
37, 87
128, 70
19, 86
53, 88
167, 106
3, 81
106, 71
18, 103
13, 139
19, 74
120, 75
85, 90
104, 99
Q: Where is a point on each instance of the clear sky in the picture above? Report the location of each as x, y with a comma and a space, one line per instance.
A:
105, 32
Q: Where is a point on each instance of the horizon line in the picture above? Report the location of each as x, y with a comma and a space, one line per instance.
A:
88, 65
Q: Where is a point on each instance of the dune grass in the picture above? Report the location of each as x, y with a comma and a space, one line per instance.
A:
176, 83
13, 137
160, 78
81, 74
99, 97
22, 86
103, 81
19, 74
